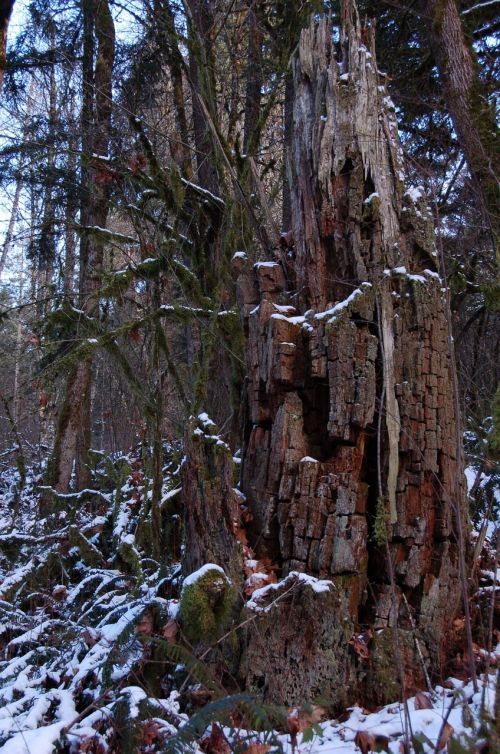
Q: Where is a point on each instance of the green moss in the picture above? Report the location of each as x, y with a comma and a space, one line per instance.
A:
206, 607
495, 434
380, 523
130, 560
89, 553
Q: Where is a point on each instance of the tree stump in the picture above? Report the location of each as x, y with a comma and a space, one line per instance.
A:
351, 431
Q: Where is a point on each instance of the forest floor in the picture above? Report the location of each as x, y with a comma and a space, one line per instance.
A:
87, 662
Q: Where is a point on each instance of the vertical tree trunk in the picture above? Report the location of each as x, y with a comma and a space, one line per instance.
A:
6, 8
253, 92
351, 435
73, 432
19, 183
201, 72
472, 115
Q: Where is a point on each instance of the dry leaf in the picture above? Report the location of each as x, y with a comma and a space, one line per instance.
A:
257, 749
257, 581
241, 535
445, 736
301, 718
359, 643
90, 636
364, 741
422, 701
170, 631
59, 592
216, 742
151, 733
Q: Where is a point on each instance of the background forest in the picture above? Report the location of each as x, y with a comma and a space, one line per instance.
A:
150, 159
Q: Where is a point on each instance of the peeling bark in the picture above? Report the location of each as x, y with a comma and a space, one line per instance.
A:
352, 325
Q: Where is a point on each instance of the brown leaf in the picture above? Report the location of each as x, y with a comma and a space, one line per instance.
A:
422, 701
59, 592
364, 741
381, 743
151, 733
216, 742
241, 535
445, 736
301, 718
170, 631
90, 636
257, 581
257, 748
359, 643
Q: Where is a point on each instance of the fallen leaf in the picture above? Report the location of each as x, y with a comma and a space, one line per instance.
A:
445, 736
151, 733
216, 742
360, 642
257, 749
364, 741
257, 581
59, 592
422, 701
170, 631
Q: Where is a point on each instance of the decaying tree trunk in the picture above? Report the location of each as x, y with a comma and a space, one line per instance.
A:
351, 434
210, 501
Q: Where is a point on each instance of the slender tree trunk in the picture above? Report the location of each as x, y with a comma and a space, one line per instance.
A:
19, 184
472, 115
202, 79
350, 449
287, 139
6, 7
181, 149
253, 93
73, 432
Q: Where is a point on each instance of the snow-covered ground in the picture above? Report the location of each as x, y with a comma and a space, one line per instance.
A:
79, 604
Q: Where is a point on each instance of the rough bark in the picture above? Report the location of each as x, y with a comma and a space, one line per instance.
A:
201, 72
351, 431
210, 501
253, 92
472, 115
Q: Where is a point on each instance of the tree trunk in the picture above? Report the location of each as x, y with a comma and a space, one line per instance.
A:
210, 502
73, 432
254, 78
350, 443
6, 8
472, 115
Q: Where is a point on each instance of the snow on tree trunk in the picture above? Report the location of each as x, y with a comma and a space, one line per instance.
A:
350, 383
210, 501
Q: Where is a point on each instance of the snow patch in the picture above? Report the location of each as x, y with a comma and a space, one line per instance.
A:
197, 575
